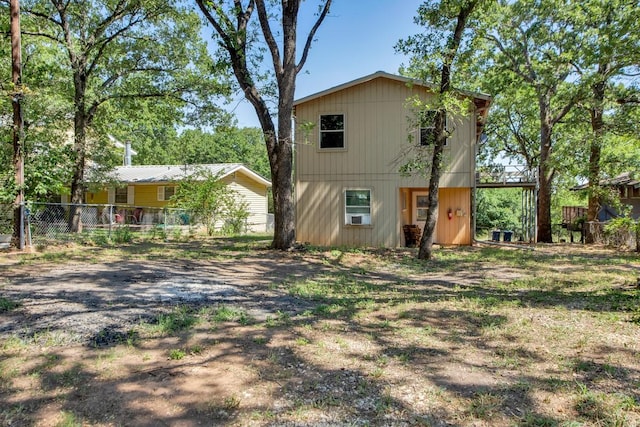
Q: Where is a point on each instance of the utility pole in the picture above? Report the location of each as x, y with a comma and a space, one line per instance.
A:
18, 123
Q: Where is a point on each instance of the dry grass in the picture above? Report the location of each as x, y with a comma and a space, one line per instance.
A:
478, 337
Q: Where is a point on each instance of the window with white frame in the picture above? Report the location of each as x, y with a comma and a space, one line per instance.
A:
357, 207
427, 132
166, 192
332, 131
121, 195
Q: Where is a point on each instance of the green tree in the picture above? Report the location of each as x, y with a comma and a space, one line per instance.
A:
226, 144
211, 201
530, 53
498, 208
436, 52
241, 42
118, 51
610, 51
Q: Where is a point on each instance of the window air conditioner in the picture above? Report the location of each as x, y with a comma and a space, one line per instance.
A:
356, 220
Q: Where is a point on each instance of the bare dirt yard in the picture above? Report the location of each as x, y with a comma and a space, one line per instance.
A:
227, 332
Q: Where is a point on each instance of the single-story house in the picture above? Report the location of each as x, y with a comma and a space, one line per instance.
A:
627, 188
151, 186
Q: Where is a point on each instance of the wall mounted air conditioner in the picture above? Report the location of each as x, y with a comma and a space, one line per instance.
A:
356, 219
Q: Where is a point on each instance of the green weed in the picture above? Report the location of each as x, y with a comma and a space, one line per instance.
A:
8, 305
177, 354
181, 318
69, 419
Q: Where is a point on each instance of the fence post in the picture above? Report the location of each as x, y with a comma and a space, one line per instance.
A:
21, 232
109, 219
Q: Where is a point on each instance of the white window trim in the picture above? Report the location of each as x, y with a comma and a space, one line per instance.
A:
348, 218
131, 195
344, 132
161, 194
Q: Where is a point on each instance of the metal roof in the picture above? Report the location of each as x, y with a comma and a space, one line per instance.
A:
623, 179
172, 173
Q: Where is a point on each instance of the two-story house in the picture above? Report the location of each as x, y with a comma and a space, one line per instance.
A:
348, 184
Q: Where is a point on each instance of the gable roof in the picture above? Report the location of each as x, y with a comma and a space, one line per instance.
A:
172, 173
382, 74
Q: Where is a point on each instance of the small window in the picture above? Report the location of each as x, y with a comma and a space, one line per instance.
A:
332, 131
121, 195
427, 128
357, 207
422, 207
165, 193
169, 192
635, 192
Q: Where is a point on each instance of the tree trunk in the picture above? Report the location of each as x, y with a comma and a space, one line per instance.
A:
18, 124
426, 242
597, 130
79, 152
545, 176
282, 169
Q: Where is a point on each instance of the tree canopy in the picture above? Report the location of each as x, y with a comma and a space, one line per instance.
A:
92, 68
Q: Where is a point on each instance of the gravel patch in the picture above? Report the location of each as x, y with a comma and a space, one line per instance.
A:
100, 303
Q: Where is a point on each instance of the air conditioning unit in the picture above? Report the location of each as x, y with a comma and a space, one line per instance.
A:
356, 219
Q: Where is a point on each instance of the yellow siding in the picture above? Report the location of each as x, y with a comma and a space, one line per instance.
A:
97, 198
377, 129
251, 191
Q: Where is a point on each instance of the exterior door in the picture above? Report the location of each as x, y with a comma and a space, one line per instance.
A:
420, 204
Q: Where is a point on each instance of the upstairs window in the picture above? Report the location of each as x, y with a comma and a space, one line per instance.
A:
331, 131
357, 207
427, 128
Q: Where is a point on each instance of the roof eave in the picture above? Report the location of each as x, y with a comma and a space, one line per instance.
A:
378, 74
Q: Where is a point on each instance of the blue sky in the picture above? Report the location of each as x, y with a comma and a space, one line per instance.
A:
356, 39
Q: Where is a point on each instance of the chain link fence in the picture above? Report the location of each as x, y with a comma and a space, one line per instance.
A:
46, 223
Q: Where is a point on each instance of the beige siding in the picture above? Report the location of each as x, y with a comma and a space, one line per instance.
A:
321, 214
377, 129
255, 195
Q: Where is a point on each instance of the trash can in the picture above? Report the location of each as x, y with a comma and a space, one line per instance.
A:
495, 235
507, 235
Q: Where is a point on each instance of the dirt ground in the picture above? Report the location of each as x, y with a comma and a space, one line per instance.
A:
91, 359
97, 303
